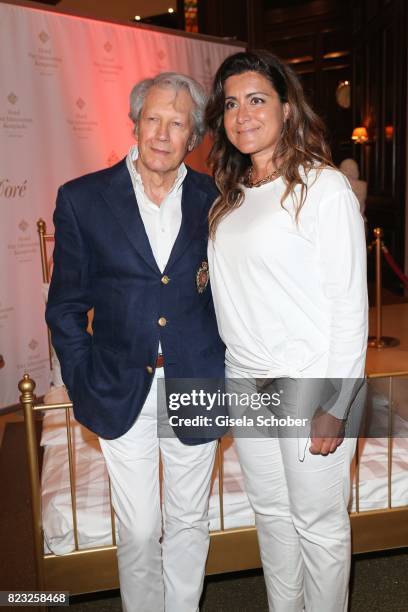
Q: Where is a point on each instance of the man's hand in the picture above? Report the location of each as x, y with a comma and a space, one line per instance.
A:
327, 433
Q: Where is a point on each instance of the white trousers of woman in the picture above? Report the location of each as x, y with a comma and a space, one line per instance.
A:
300, 502
302, 521
161, 555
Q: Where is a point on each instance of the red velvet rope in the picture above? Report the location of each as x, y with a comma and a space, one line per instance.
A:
394, 266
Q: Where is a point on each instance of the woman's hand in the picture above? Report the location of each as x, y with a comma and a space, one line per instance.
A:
327, 433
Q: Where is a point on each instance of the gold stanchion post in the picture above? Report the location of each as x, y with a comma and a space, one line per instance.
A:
379, 341
42, 233
27, 397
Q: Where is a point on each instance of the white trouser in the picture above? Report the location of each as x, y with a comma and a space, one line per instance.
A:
300, 502
302, 521
159, 569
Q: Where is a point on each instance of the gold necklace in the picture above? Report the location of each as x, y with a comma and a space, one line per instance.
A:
263, 181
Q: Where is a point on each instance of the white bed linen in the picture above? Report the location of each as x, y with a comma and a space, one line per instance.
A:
93, 512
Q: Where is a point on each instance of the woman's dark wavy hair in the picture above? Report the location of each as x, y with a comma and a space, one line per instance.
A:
302, 144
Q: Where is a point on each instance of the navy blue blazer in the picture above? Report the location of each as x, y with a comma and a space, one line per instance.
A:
103, 260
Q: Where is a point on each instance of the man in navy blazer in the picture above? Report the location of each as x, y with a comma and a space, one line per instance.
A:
131, 243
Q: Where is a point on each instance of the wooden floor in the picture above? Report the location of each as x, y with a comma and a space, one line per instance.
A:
395, 324
16, 534
10, 417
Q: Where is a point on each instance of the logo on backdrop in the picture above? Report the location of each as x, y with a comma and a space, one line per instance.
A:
81, 123
12, 98
107, 65
43, 36
12, 191
25, 245
33, 344
44, 60
5, 311
13, 123
34, 364
161, 61
23, 225
206, 76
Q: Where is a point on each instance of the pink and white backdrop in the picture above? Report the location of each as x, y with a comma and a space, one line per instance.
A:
65, 83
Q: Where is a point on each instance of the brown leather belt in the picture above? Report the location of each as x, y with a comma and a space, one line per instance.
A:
159, 361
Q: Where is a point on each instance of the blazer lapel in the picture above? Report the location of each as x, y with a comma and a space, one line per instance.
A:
192, 204
120, 197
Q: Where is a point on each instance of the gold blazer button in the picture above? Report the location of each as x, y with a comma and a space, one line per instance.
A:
165, 280
162, 321
149, 369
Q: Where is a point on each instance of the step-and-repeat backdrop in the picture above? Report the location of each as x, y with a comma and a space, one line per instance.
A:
65, 83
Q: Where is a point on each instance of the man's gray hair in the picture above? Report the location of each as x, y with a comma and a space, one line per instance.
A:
176, 81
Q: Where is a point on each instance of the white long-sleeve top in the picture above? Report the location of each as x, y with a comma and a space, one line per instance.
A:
291, 298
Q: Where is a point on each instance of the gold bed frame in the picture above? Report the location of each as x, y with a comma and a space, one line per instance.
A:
95, 569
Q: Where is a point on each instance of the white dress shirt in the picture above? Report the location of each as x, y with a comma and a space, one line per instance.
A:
162, 223
291, 298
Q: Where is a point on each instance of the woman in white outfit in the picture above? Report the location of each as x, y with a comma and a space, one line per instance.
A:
288, 274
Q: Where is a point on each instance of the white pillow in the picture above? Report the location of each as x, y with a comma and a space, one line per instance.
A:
54, 430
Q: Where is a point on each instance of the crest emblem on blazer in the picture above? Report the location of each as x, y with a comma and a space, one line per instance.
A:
202, 277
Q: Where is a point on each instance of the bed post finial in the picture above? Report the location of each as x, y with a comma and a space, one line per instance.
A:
27, 386
41, 226
27, 398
